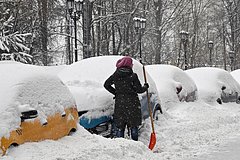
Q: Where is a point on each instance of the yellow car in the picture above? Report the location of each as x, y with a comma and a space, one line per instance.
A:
34, 106
29, 131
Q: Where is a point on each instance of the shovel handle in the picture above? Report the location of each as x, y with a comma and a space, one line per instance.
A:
148, 99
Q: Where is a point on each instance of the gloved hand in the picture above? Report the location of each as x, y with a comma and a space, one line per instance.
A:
146, 85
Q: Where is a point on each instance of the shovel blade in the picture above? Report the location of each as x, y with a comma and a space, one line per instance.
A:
152, 141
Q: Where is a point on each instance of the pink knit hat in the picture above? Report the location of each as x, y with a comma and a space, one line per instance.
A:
124, 62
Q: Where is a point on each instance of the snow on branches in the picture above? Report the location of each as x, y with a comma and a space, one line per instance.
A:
12, 45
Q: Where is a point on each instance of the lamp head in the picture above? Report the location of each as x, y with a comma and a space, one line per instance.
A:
70, 5
79, 6
210, 44
184, 35
136, 23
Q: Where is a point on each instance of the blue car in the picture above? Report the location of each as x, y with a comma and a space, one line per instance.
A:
104, 125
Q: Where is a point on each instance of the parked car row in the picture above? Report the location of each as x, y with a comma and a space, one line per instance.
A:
208, 84
37, 104
41, 103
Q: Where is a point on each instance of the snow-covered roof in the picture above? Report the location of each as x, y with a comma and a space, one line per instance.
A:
210, 80
85, 79
24, 87
54, 70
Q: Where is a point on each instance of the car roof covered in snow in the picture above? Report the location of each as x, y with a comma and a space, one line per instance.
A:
85, 79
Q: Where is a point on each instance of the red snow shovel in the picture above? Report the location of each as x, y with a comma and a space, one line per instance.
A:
153, 135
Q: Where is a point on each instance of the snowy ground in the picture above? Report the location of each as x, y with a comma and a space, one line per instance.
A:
196, 129
186, 131
229, 151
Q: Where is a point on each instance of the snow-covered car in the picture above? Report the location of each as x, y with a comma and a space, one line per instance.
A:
34, 105
173, 83
95, 104
215, 84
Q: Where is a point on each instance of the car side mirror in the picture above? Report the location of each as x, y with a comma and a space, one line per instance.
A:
29, 114
223, 88
179, 89
219, 101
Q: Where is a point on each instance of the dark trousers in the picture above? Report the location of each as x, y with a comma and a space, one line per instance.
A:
134, 133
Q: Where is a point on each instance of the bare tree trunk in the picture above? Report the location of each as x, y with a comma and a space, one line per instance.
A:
179, 54
44, 30
224, 47
67, 39
87, 20
113, 32
238, 33
32, 31
98, 28
126, 37
195, 32
120, 39
93, 42
104, 46
232, 34
158, 6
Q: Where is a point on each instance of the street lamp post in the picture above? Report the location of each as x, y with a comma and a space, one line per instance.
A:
184, 40
140, 25
210, 46
231, 56
75, 9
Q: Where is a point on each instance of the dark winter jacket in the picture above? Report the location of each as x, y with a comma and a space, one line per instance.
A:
127, 109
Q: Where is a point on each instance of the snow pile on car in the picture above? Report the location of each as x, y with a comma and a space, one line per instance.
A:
85, 80
210, 80
168, 78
